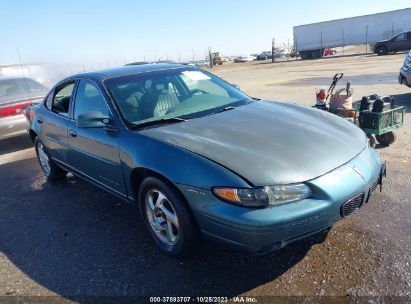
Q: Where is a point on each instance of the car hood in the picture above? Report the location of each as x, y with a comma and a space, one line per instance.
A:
269, 143
382, 41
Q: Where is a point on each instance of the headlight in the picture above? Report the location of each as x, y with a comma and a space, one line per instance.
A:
264, 196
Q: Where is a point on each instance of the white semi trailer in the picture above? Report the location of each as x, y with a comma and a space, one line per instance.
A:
310, 40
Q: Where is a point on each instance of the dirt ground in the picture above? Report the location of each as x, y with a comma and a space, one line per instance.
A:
70, 239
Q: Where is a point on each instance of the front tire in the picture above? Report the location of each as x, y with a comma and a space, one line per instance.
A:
166, 217
382, 50
49, 168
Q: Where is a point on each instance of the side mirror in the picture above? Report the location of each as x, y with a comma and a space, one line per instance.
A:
93, 120
236, 86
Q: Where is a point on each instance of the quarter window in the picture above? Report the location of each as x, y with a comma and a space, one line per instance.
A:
61, 100
89, 99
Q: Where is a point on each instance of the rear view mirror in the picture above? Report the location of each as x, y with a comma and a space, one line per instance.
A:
93, 120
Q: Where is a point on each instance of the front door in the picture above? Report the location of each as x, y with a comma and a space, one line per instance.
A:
94, 151
408, 42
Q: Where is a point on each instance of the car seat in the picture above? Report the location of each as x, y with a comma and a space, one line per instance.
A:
159, 101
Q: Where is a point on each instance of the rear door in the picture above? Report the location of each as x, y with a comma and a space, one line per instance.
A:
399, 43
94, 151
53, 121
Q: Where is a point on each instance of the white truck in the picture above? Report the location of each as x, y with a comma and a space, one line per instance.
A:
310, 40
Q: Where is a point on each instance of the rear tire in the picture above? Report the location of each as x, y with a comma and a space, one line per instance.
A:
167, 217
382, 50
47, 165
386, 139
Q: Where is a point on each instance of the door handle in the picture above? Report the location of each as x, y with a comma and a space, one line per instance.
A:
72, 133
40, 120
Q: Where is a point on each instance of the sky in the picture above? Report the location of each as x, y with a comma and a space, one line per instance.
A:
98, 32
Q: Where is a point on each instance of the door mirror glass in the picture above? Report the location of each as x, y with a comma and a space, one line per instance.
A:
93, 120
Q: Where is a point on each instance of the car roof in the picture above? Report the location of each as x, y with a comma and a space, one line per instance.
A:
126, 70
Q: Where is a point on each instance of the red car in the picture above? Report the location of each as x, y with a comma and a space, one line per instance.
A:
329, 52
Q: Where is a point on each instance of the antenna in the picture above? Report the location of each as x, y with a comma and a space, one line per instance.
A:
22, 71
21, 64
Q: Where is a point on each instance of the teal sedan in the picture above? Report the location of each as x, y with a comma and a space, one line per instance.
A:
199, 157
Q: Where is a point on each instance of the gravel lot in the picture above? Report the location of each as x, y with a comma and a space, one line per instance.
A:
70, 239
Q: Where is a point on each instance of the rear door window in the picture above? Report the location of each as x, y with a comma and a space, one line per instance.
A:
61, 100
401, 37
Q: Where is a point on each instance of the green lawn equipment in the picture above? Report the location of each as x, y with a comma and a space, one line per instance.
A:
375, 115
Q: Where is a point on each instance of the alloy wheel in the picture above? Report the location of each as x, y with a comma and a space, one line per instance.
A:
162, 217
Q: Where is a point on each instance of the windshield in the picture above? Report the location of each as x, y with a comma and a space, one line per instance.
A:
163, 95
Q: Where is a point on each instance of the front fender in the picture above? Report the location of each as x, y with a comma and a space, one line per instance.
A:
174, 163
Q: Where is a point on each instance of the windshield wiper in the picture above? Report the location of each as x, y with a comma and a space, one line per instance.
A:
224, 109
159, 122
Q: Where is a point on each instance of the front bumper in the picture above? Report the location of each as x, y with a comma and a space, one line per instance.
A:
262, 230
12, 126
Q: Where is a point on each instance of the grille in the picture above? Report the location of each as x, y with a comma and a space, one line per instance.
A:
351, 205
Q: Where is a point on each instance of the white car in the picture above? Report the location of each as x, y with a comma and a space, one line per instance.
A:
16, 94
245, 59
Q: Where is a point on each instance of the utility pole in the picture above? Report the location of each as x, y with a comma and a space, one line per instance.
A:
343, 41
366, 39
273, 51
210, 56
